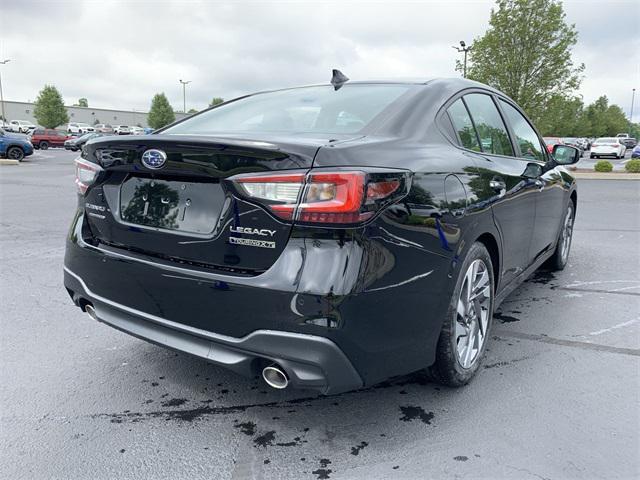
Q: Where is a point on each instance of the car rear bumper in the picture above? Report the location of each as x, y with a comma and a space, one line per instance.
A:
310, 361
340, 312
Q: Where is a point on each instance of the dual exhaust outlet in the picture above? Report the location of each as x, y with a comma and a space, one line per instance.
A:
273, 375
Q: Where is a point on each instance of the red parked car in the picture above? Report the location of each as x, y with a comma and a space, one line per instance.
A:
45, 138
551, 141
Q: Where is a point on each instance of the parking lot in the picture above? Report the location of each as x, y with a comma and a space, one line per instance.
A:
557, 397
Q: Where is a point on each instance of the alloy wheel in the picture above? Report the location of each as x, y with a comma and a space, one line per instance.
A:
472, 313
567, 233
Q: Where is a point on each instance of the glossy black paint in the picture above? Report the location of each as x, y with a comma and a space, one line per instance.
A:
380, 291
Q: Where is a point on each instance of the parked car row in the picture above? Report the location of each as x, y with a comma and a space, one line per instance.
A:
17, 145
598, 147
80, 128
581, 144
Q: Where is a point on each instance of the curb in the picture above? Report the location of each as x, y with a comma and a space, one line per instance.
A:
606, 176
8, 161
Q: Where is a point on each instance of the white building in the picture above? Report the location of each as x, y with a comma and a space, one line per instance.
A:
24, 111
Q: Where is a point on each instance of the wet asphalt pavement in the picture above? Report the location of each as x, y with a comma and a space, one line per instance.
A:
558, 396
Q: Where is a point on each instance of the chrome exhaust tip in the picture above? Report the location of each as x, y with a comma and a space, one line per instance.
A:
275, 377
88, 308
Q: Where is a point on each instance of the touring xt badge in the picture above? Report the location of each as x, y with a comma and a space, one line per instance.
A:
250, 242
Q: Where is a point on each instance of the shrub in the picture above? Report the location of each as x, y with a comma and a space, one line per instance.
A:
633, 166
603, 166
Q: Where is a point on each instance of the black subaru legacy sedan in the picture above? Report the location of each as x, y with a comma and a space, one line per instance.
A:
325, 237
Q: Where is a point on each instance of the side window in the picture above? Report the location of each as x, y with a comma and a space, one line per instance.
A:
525, 134
445, 123
463, 125
489, 125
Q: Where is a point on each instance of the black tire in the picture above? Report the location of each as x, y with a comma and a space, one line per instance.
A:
15, 153
447, 368
558, 261
592, 156
43, 145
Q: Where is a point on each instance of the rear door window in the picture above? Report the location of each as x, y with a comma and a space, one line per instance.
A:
526, 136
463, 125
489, 124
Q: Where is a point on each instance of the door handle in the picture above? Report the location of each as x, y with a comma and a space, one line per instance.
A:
498, 186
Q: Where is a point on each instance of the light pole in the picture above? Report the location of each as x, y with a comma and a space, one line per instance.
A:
4, 119
633, 98
184, 94
463, 48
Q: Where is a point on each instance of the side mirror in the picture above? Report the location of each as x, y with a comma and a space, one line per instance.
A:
565, 154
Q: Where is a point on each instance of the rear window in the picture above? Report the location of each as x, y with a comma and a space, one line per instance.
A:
300, 110
606, 140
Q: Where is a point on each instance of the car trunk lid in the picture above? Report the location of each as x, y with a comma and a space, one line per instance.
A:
182, 210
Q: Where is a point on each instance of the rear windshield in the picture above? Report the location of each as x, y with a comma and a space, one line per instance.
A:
606, 140
300, 110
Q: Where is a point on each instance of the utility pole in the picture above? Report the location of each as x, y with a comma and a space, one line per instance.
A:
4, 118
184, 94
463, 48
633, 98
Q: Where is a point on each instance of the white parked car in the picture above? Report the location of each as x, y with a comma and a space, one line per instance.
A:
121, 130
21, 126
79, 128
136, 130
608, 146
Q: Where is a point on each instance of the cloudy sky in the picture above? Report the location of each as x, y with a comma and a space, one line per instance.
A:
118, 54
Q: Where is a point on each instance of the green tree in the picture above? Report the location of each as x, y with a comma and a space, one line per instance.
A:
161, 113
563, 117
216, 101
526, 53
83, 102
49, 108
604, 120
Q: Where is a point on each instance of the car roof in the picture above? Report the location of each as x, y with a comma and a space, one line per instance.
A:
458, 83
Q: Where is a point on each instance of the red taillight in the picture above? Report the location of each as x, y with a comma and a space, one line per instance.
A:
340, 197
86, 174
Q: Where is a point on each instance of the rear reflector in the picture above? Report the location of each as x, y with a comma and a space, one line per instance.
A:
323, 197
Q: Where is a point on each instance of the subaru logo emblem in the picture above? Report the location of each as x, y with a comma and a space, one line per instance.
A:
154, 159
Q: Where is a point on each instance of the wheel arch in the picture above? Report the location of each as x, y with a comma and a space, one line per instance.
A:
491, 244
574, 198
